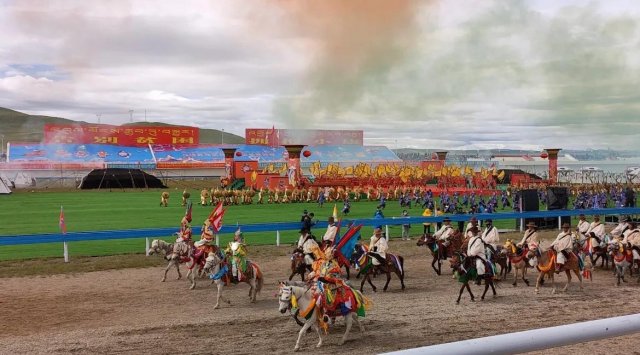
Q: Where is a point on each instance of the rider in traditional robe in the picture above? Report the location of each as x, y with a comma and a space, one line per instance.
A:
378, 247
632, 240
621, 228
329, 236
476, 249
444, 233
473, 222
596, 232
563, 246
185, 233
530, 238
238, 251
583, 226
308, 246
491, 238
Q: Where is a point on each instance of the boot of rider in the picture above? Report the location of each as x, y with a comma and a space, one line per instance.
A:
234, 272
559, 267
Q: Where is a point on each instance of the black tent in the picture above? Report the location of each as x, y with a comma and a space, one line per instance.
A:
120, 179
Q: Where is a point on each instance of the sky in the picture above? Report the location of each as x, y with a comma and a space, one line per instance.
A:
448, 74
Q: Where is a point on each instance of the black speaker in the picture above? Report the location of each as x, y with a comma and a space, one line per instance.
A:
557, 198
530, 200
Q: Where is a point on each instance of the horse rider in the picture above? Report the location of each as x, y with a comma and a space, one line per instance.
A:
632, 240
530, 238
445, 232
476, 250
185, 233
329, 236
490, 237
583, 226
563, 246
473, 222
596, 232
238, 251
378, 248
621, 228
308, 246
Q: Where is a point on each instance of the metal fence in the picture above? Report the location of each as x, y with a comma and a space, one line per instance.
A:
291, 226
535, 339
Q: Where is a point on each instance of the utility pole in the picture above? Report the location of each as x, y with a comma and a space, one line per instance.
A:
131, 115
98, 115
145, 115
222, 136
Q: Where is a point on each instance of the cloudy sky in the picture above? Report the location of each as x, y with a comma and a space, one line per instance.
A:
449, 74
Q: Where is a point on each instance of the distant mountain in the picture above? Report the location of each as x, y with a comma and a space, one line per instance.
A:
21, 127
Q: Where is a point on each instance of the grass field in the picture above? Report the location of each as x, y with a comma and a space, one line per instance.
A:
38, 212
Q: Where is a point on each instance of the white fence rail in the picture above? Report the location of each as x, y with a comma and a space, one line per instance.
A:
536, 339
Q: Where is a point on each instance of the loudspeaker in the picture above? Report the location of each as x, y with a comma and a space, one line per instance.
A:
557, 198
530, 200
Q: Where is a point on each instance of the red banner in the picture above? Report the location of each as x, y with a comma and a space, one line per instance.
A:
120, 135
277, 137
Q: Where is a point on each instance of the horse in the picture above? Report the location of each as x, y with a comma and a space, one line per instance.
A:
303, 298
498, 257
438, 251
622, 260
176, 253
394, 263
219, 270
298, 265
518, 261
465, 267
547, 266
582, 244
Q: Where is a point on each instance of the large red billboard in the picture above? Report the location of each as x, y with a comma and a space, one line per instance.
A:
276, 137
120, 135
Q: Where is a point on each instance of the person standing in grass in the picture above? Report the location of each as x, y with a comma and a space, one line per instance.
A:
405, 227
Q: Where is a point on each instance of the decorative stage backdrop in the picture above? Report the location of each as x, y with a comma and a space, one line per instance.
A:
120, 135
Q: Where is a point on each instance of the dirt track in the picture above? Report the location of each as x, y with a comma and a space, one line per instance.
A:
130, 311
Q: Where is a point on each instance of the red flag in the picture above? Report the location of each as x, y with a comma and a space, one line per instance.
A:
216, 217
63, 226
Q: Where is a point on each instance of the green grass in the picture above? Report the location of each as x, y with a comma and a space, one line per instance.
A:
37, 212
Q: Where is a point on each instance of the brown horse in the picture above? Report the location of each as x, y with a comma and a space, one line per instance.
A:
298, 265
465, 268
518, 261
394, 263
547, 266
438, 251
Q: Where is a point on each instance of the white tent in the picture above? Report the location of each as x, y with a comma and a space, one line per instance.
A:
23, 180
4, 189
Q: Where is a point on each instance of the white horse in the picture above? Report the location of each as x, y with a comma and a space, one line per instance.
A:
253, 277
175, 253
307, 303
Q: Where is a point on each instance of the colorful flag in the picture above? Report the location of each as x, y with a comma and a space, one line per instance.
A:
216, 217
346, 244
63, 226
335, 211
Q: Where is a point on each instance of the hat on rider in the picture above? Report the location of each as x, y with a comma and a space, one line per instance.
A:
473, 230
446, 219
626, 219
566, 225
473, 219
532, 224
488, 221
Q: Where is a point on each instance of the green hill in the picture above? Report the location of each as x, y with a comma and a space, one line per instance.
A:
21, 127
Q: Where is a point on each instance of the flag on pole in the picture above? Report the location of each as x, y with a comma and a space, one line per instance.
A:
63, 226
335, 211
346, 244
216, 217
